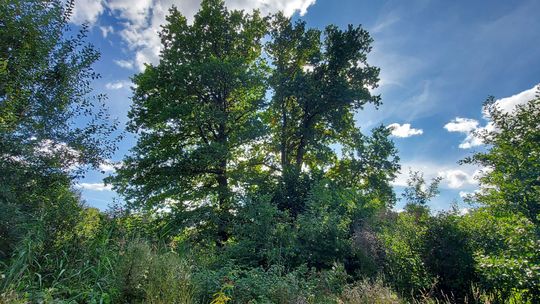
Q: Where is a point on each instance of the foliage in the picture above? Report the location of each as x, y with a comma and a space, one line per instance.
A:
319, 79
505, 233
263, 235
324, 229
274, 285
506, 252
147, 276
418, 192
404, 242
44, 86
510, 179
449, 257
196, 114
65, 265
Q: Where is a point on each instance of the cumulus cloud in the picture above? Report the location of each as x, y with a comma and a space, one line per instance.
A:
87, 11
94, 186
464, 211
508, 104
404, 130
117, 85
464, 194
456, 178
471, 127
467, 126
142, 19
463, 177
464, 125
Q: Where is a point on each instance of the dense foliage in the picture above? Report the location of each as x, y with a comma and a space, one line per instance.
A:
45, 80
250, 181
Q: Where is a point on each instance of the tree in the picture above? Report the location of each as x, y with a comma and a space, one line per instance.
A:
197, 114
505, 231
318, 84
418, 193
511, 181
45, 84
45, 78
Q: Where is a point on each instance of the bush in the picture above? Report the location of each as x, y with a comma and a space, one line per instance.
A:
404, 243
449, 257
263, 236
507, 253
275, 285
324, 229
147, 276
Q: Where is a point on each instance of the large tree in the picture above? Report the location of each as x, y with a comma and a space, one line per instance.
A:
196, 113
320, 78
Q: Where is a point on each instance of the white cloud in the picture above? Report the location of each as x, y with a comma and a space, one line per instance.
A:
471, 140
69, 158
87, 11
464, 125
107, 167
117, 85
106, 30
456, 179
404, 130
462, 177
94, 186
126, 64
134, 11
509, 104
467, 126
471, 127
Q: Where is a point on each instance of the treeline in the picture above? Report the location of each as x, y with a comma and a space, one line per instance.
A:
250, 181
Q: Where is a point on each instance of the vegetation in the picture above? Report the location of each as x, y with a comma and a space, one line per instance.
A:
237, 195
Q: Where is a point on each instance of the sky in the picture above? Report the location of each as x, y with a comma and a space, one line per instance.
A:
439, 62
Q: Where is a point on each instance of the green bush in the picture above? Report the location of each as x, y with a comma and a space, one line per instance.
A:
262, 235
404, 242
145, 275
275, 285
507, 253
448, 256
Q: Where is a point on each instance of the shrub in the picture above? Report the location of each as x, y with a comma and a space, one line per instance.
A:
263, 235
449, 257
404, 243
148, 276
507, 253
274, 285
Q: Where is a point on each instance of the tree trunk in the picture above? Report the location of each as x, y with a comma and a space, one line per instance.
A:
223, 190
283, 148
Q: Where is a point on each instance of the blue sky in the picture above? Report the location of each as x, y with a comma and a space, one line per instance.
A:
439, 61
